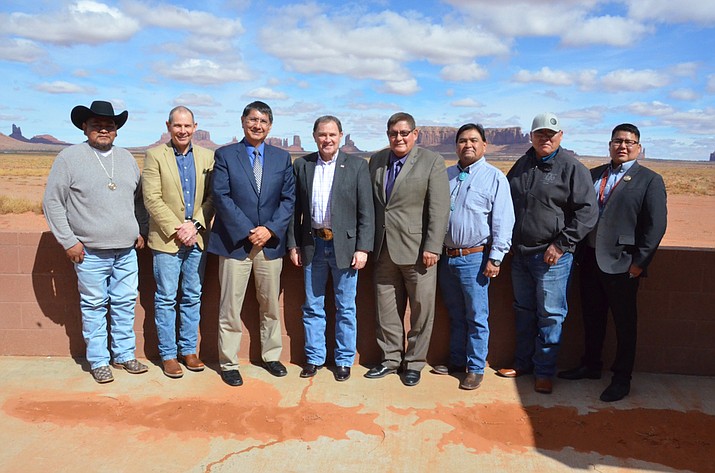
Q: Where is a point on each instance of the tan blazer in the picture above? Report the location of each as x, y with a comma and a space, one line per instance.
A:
164, 200
415, 218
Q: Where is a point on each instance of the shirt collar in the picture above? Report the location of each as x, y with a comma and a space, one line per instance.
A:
469, 168
620, 168
190, 149
322, 162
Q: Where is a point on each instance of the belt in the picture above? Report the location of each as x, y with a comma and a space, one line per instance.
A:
452, 252
323, 233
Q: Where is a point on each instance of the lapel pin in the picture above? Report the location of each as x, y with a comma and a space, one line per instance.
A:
626, 178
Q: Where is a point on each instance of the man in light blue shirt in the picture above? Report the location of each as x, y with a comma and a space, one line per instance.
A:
479, 235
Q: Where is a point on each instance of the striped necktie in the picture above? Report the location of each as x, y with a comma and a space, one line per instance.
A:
257, 169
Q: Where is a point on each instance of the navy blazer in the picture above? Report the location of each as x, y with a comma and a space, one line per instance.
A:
633, 221
238, 206
352, 211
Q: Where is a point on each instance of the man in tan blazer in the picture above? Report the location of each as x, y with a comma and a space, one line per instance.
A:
411, 197
176, 180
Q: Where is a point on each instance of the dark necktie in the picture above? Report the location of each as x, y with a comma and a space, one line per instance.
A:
257, 169
392, 172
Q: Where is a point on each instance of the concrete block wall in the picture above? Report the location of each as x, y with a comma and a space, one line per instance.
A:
39, 311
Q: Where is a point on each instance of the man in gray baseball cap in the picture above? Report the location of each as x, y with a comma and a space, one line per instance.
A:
93, 205
555, 206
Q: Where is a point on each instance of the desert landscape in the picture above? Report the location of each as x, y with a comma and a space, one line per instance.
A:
690, 185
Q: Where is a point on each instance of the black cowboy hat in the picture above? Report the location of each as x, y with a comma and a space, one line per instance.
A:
99, 108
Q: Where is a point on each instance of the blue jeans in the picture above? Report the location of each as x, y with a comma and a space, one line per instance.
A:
314, 318
540, 307
188, 263
465, 291
108, 278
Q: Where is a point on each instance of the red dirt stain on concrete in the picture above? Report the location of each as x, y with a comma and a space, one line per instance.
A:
248, 413
679, 440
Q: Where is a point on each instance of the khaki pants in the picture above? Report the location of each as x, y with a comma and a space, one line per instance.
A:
233, 277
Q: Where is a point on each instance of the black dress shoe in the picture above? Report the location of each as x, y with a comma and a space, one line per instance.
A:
616, 391
309, 370
580, 372
342, 373
448, 369
232, 377
275, 368
379, 371
411, 377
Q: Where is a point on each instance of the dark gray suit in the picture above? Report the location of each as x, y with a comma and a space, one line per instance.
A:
352, 221
629, 230
353, 215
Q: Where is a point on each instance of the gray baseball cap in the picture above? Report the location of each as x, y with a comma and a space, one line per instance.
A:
545, 121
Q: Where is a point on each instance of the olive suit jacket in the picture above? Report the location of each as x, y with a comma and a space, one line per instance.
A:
416, 216
164, 200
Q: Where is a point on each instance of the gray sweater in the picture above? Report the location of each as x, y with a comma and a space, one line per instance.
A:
79, 207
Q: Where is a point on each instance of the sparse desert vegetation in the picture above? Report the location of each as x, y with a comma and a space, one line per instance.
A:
22, 178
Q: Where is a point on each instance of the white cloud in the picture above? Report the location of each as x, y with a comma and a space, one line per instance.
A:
576, 22
265, 93
695, 121
589, 115
685, 69
81, 22
614, 81
203, 72
667, 11
299, 108
62, 87
463, 72
20, 50
609, 30
651, 109
684, 94
633, 80
372, 46
711, 84
195, 100
470, 103
196, 22
546, 75
372, 106
400, 87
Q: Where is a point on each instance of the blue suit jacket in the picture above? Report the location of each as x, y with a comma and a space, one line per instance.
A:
238, 206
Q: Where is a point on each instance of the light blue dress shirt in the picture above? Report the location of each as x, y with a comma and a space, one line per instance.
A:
482, 210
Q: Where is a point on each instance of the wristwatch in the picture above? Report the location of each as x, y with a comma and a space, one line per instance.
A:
198, 225
495, 262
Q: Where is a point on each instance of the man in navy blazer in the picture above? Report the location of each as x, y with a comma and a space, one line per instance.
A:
632, 222
254, 195
332, 232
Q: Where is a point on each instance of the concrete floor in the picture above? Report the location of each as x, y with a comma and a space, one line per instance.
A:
55, 418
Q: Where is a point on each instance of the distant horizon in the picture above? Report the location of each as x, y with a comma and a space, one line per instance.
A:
595, 64
135, 147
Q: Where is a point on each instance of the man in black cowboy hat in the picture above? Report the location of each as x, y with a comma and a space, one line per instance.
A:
93, 205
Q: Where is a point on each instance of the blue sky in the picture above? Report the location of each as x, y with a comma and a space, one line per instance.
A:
594, 63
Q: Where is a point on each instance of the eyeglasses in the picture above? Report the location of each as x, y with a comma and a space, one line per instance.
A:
403, 133
618, 142
257, 121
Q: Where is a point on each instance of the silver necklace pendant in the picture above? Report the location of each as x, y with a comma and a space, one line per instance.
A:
112, 186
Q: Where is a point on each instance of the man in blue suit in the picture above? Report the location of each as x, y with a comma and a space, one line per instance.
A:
254, 195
